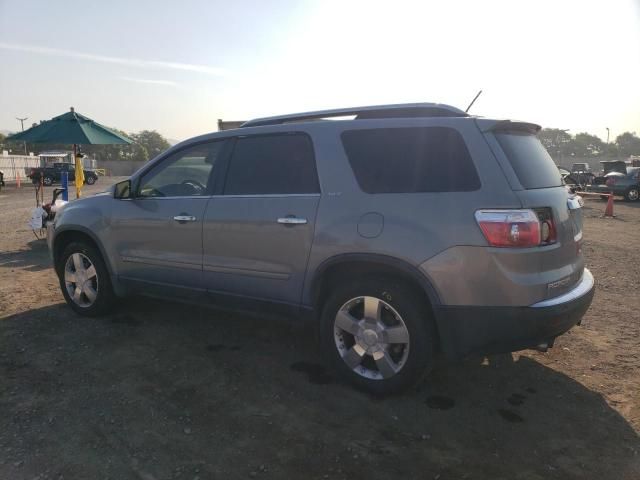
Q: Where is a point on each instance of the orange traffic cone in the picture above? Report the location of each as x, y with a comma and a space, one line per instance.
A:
608, 212
17, 179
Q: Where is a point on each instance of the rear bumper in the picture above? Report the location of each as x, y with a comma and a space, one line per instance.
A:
467, 330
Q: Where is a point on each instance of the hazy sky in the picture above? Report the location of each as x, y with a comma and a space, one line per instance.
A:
178, 66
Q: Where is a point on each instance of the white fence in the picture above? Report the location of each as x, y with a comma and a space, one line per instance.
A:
12, 165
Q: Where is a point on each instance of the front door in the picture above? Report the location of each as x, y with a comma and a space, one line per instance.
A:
257, 235
158, 233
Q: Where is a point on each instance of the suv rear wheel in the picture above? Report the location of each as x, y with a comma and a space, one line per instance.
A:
84, 280
377, 334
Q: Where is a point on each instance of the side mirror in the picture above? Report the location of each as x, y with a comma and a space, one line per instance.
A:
122, 190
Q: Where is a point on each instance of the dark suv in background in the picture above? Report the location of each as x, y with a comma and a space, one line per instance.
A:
53, 174
406, 232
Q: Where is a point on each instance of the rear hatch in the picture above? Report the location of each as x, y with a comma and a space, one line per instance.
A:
537, 182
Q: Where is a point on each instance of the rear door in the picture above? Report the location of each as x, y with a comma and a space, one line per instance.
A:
257, 235
538, 184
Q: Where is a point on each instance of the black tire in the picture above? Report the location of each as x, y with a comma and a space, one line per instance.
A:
105, 298
632, 194
408, 302
90, 180
47, 180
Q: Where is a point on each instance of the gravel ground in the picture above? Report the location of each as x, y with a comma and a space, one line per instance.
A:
160, 391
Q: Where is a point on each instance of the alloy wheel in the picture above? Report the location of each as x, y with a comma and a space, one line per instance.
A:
371, 337
81, 280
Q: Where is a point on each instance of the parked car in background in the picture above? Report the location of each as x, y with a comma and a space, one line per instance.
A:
52, 174
569, 179
580, 167
625, 184
406, 233
609, 166
582, 174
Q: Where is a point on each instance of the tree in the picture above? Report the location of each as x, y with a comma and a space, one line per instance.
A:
152, 142
556, 141
586, 145
133, 151
628, 144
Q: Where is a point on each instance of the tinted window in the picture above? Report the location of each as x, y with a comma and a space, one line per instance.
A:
272, 164
529, 159
185, 173
405, 160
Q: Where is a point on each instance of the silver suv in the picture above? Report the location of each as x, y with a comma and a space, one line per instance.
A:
404, 232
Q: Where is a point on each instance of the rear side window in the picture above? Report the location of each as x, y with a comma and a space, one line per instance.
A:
272, 164
530, 160
409, 160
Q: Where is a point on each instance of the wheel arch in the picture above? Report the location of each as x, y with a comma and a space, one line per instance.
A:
355, 264
77, 233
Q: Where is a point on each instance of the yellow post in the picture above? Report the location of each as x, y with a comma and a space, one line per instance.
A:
79, 172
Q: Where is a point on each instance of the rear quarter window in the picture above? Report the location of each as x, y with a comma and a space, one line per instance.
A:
410, 160
531, 162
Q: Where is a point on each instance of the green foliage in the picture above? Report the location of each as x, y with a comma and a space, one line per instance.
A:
556, 141
560, 144
586, 145
628, 144
151, 141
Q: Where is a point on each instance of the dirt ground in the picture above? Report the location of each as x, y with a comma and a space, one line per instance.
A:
162, 391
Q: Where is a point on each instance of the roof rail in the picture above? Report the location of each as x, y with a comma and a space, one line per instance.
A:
403, 110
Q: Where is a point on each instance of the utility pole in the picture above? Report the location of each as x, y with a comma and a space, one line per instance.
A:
607, 134
21, 120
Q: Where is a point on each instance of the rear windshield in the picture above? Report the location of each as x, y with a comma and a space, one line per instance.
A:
529, 159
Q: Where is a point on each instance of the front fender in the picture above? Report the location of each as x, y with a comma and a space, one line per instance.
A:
88, 216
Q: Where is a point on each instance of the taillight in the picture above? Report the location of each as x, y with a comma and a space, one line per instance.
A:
516, 228
548, 232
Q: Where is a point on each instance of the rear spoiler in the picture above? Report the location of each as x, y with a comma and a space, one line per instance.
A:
509, 126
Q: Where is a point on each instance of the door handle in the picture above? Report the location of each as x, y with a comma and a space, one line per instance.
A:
184, 218
292, 220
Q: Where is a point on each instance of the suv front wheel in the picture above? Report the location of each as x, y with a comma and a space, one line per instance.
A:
84, 280
377, 334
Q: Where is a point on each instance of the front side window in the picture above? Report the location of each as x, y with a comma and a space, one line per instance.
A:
272, 165
410, 160
184, 174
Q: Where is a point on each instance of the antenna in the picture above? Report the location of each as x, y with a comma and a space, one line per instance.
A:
473, 101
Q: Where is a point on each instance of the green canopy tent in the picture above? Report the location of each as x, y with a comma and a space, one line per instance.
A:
74, 129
